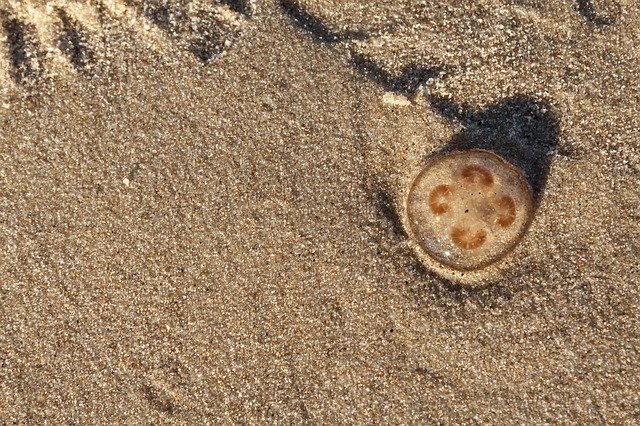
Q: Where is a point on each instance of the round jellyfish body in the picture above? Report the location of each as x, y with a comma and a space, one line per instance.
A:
469, 209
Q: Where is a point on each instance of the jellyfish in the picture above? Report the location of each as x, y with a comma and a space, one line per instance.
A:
469, 209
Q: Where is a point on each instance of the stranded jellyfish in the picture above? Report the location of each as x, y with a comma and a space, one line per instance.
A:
468, 209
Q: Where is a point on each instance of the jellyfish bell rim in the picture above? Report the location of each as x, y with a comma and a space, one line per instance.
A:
446, 268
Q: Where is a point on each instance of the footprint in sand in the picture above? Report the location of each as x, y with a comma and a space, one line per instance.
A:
60, 37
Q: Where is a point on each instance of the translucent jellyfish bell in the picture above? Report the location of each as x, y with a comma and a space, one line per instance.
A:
468, 209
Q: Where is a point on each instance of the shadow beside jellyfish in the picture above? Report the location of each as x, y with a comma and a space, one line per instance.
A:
522, 130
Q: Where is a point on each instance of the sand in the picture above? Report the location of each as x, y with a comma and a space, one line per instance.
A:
202, 212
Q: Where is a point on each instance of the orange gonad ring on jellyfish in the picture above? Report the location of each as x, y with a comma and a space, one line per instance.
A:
467, 239
468, 209
477, 175
438, 199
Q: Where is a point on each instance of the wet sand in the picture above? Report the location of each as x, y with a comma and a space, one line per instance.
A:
202, 212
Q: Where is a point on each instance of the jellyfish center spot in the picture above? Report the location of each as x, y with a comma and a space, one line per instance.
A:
465, 238
477, 175
438, 199
506, 208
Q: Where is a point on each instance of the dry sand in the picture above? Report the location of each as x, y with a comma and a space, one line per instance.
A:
202, 212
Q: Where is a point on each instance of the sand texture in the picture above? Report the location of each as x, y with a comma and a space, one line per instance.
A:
202, 212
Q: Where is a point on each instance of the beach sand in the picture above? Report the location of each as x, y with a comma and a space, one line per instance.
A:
202, 215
